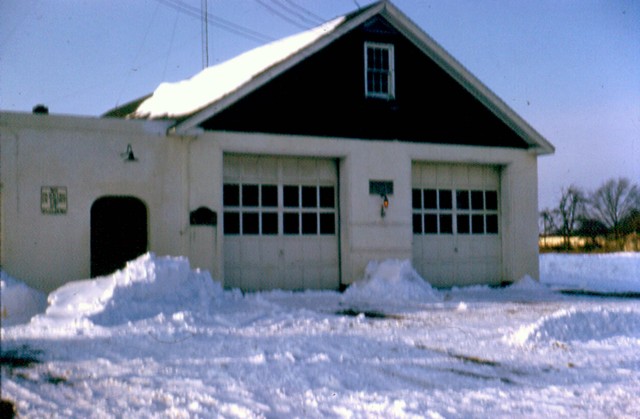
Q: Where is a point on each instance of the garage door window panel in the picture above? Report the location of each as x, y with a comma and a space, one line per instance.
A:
309, 196
430, 199
231, 222
291, 223
416, 199
417, 224
269, 196
231, 195
431, 224
327, 197
464, 212
462, 200
477, 224
445, 201
250, 209
327, 223
491, 200
254, 209
269, 223
492, 224
250, 195
250, 223
477, 200
291, 196
446, 224
462, 223
309, 223
316, 210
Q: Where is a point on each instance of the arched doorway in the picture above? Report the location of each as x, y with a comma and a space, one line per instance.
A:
118, 233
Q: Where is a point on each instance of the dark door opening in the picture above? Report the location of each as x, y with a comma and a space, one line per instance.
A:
118, 233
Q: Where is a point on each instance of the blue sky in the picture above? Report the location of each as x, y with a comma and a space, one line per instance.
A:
570, 68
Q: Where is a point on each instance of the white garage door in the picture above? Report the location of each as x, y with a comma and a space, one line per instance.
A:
456, 223
280, 223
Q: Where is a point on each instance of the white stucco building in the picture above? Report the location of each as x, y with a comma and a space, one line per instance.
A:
290, 166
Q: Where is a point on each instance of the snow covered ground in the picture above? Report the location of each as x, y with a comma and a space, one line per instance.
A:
161, 340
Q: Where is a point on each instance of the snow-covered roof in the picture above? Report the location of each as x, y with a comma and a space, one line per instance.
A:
183, 98
193, 101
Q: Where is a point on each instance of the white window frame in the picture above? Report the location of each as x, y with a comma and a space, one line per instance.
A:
391, 90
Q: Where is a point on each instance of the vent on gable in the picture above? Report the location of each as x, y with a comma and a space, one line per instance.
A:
379, 25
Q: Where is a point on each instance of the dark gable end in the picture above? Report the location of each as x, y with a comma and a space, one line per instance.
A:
324, 95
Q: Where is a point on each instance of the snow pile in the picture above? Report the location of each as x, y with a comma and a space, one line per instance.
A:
606, 273
570, 325
287, 354
146, 287
390, 282
526, 289
526, 283
213, 83
18, 302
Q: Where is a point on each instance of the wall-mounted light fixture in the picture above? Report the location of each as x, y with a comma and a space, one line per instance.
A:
385, 205
128, 154
384, 188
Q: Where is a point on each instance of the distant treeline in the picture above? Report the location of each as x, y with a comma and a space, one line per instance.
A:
607, 219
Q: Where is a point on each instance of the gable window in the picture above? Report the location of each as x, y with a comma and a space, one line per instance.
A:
379, 72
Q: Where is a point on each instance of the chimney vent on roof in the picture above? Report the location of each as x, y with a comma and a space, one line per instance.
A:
40, 109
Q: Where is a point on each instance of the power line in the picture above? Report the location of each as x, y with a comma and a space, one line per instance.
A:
139, 51
281, 15
219, 22
306, 11
180, 7
173, 35
292, 11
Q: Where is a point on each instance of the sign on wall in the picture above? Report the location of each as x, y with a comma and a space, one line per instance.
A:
53, 199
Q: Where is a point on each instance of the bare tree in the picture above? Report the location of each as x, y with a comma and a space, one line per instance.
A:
631, 223
591, 229
548, 224
570, 208
613, 202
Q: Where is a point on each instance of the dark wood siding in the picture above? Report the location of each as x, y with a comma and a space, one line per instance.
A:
324, 96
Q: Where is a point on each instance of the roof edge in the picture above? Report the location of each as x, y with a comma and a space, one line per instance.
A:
351, 21
537, 143
463, 76
122, 111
